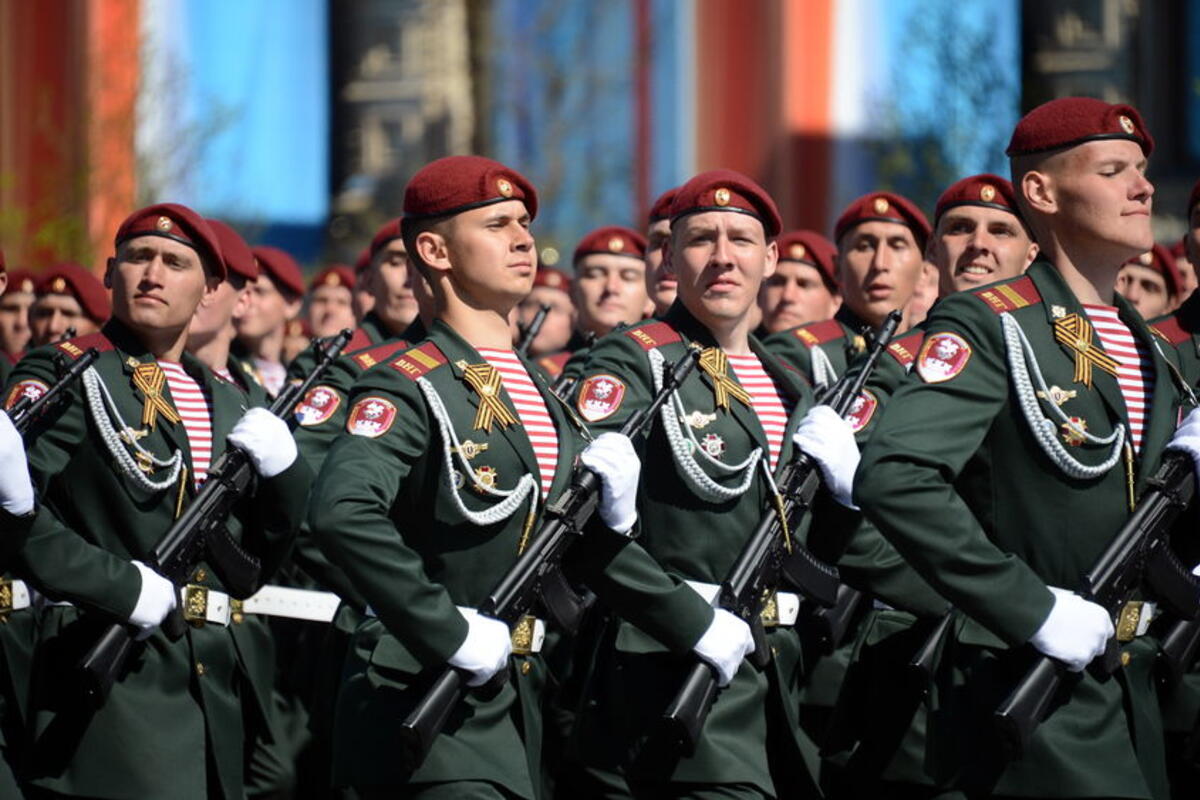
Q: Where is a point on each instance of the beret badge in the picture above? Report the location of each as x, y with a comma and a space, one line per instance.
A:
504, 187
1126, 124
987, 193
797, 251
616, 244
1146, 258
164, 224
721, 196
58, 286
881, 205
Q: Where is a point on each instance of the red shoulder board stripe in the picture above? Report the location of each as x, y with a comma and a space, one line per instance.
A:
359, 341
553, 364
1171, 330
77, 347
904, 349
654, 334
1009, 296
372, 356
816, 333
420, 360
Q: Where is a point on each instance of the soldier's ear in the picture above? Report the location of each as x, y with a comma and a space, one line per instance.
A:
432, 250
109, 266
771, 259
1037, 188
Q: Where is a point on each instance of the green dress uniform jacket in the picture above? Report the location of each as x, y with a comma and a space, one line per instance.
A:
173, 725
839, 341
417, 533
991, 514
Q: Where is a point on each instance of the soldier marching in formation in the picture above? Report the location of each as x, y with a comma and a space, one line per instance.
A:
304, 635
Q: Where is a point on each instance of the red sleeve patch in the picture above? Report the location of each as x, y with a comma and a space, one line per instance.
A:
653, 334
1171, 330
903, 349
31, 388
371, 417
553, 364
862, 410
817, 333
420, 360
317, 406
358, 341
943, 356
1009, 296
78, 346
375, 355
600, 397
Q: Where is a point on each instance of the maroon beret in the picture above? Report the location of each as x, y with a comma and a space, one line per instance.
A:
611, 240
662, 207
282, 268
387, 232
1193, 199
363, 261
175, 222
1070, 121
237, 254
985, 190
883, 207
810, 247
86, 288
726, 190
1179, 249
460, 183
334, 275
553, 278
1160, 260
20, 280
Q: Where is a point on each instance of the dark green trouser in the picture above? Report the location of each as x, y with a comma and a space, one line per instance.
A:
451, 790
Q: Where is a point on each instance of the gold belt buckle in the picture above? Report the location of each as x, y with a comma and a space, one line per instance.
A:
770, 612
195, 605
1127, 622
237, 614
522, 636
6, 600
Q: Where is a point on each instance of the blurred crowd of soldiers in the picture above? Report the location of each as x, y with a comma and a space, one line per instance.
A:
1044, 363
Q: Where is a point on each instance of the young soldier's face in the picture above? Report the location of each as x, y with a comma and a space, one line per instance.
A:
880, 265
228, 303
492, 254
267, 310
1101, 195
796, 295
721, 259
556, 330
973, 245
329, 310
52, 314
14, 321
392, 280
660, 275
1145, 289
157, 283
609, 290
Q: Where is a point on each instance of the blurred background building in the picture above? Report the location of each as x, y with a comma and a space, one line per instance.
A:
301, 120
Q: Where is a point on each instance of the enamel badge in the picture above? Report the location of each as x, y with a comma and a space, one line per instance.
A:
371, 417
862, 410
600, 397
33, 389
317, 406
1073, 431
713, 445
943, 356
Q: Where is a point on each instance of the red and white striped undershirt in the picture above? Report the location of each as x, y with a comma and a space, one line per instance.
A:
195, 409
1135, 375
767, 401
531, 409
225, 374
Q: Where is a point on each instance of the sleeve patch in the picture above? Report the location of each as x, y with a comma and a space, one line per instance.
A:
1010, 296
820, 332
33, 389
862, 410
420, 360
371, 417
317, 406
600, 397
943, 356
902, 349
369, 358
654, 334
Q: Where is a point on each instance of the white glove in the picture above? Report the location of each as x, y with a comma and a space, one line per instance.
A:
266, 439
829, 440
1187, 437
157, 598
486, 649
723, 646
16, 490
1075, 632
612, 458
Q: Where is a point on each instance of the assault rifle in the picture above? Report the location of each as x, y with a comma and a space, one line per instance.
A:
771, 554
26, 410
520, 588
200, 534
528, 334
1140, 550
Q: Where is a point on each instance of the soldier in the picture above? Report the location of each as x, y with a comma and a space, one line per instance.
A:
880, 241
551, 287
67, 296
15, 300
1186, 271
364, 301
331, 301
113, 466
804, 287
660, 281
472, 449
1151, 283
1004, 465
275, 300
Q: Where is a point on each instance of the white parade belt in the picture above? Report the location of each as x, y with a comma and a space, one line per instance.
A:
14, 596
527, 638
201, 605
781, 609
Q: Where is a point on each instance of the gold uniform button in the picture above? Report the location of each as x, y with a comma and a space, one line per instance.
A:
199, 668
526, 668
201, 574
1125, 659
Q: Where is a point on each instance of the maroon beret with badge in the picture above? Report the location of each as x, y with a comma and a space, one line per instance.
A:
282, 268
1160, 260
20, 280
333, 275
179, 223
363, 261
726, 190
552, 278
76, 281
662, 206
810, 247
1071, 121
238, 257
456, 184
985, 190
387, 232
611, 240
883, 207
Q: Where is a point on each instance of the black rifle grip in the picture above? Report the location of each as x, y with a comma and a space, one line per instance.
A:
425, 721
103, 662
684, 719
1019, 715
761, 656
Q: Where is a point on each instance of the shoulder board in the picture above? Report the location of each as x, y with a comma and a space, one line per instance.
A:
359, 341
553, 364
368, 358
420, 360
1171, 330
77, 347
654, 334
1009, 296
904, 349
816, 333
